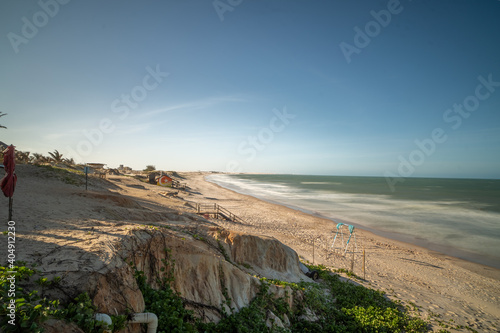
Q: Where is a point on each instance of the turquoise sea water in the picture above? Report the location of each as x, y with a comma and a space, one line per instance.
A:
459, 217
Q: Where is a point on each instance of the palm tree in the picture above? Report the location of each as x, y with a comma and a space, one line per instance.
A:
56, 156
38, 158
22, 156
1, 115
69, 161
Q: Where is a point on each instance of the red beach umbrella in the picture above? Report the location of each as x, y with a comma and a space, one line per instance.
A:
8, 183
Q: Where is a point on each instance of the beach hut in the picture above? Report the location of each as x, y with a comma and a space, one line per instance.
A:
98, 169
165, 181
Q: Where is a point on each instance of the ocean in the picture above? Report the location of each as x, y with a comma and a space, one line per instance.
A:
457, 217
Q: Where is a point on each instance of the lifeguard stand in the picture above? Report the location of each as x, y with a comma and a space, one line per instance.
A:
340, 230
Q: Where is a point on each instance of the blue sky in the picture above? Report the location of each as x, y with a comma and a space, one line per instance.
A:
310, 87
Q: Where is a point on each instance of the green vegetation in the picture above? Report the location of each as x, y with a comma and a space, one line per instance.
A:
251, 318
69, 176
223, 251
198, 237
82, 312
33, 308
56, 156
346, 307
345, 271
165, 302
246, 265
333, 306
330, 306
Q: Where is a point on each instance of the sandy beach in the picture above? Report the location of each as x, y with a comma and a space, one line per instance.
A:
455, 290
64, 227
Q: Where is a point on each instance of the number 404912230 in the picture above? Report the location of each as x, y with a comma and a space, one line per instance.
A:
11, 232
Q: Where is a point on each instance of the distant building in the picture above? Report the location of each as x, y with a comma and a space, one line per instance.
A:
124, 169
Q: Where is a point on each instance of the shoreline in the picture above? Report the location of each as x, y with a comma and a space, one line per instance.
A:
456, 289
469, 258
399, 239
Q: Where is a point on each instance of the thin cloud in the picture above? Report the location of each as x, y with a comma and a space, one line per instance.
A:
191, 106
135, 128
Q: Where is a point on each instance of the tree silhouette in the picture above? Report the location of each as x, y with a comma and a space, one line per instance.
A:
69, 161
1, 115
37, 158
56, 156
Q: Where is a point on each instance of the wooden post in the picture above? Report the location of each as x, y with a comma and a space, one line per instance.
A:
10, 208
364, 264
352, 261
313, 251
86, 177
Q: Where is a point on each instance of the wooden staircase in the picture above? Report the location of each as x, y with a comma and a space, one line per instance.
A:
217, 212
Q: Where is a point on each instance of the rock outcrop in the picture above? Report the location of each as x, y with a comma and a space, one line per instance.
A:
211, 264
208, 264
95, 238
266, 255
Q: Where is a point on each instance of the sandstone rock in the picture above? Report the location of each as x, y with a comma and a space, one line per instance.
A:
202, 275
274, 321
266, 255
60, 326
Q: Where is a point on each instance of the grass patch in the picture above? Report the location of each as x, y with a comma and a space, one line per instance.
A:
246, 265
32, 307
346, 307
68, 176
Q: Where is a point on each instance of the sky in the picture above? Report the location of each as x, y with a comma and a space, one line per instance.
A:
372, 88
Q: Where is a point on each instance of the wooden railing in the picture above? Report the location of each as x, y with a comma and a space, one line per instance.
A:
217, 211
179, 185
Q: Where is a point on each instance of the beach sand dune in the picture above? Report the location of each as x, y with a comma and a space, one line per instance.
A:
440, 285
